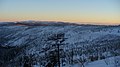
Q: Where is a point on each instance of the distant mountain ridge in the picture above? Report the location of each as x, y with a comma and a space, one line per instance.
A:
36, 23
43, 23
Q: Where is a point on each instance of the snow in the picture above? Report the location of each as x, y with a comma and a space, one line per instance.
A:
99, 63
76, 37
73, 33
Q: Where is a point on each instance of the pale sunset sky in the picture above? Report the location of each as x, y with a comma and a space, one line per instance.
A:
78, 11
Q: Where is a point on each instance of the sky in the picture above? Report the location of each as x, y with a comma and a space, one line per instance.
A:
78, 11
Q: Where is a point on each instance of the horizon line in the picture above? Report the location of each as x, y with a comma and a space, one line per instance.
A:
86, 23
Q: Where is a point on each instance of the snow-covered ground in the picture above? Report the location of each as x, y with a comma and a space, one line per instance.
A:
99, 63
77, 36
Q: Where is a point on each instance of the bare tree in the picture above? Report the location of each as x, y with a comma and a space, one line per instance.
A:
56, 41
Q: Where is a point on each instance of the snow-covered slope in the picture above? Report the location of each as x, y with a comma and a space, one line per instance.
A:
19, 34
33, 39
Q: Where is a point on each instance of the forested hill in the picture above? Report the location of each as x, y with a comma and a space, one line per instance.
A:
36, 44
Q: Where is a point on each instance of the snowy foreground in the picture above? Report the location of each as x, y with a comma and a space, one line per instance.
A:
47, 44
99, 63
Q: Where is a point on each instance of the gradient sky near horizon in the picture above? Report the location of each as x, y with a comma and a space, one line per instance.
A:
79, 11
